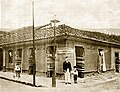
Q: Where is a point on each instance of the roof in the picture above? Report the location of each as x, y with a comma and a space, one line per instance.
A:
2, 33
25, 34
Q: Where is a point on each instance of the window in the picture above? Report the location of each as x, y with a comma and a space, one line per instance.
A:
79, 51
30, 51
116, 56
100, 51
50, 49
10, 56
19, 53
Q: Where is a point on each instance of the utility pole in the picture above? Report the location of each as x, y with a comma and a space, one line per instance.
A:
54, 51
34, 63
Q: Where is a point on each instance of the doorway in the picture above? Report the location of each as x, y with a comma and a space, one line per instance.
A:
1, 59
101, 63
117, 62
50, 61
79, 50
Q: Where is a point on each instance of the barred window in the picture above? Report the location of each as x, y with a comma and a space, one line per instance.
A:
30, 51
79, 51
19, 53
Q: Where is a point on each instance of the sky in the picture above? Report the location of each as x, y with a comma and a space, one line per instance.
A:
75, 13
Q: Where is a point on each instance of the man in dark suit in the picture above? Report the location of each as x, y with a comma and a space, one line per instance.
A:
67, 70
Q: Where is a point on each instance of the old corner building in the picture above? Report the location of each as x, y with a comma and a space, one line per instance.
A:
89, 51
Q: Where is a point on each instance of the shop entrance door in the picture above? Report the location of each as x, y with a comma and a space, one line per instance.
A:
117, 63
1, 59
50, 61
79, 50
101, 65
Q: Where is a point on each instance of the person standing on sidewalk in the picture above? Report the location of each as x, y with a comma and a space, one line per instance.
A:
75, 74
67, 69
17, 70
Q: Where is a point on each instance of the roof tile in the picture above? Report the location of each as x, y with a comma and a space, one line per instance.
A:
25, 34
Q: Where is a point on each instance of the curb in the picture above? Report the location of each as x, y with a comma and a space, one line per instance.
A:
17, 81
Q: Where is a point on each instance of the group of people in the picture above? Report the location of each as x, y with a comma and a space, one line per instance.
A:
67, 70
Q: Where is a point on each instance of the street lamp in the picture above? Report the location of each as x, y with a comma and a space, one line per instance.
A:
53, 72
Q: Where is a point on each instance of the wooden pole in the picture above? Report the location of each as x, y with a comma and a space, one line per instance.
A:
34, 64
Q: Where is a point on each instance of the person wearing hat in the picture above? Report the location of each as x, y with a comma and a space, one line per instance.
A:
67, 69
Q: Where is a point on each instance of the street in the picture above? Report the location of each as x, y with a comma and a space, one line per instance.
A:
6, 86
112, 86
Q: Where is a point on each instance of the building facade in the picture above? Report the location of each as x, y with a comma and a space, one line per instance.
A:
89, 51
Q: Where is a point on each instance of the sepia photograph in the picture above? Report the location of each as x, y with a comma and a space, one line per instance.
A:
59, 45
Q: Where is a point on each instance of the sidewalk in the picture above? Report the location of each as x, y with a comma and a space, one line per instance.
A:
47, 82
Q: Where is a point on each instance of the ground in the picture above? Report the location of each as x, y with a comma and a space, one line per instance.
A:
110, 86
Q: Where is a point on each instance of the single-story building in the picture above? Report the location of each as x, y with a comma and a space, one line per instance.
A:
89, 51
